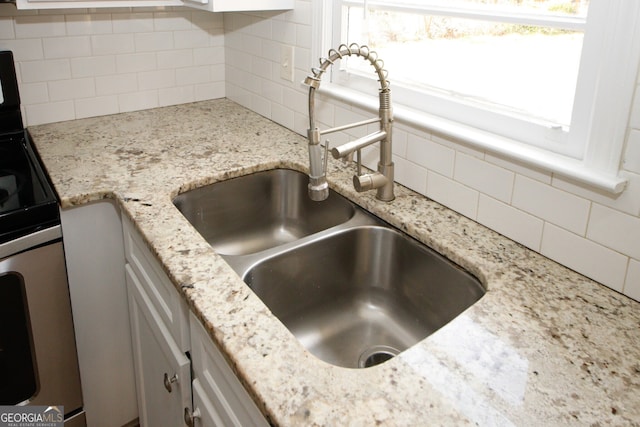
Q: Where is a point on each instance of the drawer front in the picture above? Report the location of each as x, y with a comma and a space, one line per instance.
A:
161, 292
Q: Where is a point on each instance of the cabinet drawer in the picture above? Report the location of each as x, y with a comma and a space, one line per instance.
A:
226, 402
161, 292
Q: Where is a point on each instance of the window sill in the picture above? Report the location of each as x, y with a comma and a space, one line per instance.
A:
561, 165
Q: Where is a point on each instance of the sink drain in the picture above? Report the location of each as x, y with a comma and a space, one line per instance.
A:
376, 355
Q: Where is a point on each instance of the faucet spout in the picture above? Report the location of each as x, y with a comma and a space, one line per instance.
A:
348, 148
382, 180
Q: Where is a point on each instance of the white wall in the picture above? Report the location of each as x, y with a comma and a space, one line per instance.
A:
596, 234
80, 63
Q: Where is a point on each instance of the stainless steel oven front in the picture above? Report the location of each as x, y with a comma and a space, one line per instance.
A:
38, 359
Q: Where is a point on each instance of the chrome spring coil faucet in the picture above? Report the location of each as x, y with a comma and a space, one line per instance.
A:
382, 180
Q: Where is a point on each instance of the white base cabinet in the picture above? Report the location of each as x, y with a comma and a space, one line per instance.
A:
164, 334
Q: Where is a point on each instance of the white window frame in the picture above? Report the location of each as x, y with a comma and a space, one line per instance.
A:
602, 105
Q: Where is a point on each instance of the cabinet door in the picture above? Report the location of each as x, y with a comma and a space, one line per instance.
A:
207, 416
227, 403
163, 374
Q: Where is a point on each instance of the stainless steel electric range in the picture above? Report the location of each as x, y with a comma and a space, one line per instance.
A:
38, 358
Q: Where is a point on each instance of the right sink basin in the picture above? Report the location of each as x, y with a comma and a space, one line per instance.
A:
357, 297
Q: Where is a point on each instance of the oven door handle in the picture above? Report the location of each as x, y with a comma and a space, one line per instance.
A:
29, 241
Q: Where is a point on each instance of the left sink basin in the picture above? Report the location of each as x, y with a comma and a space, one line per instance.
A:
260, 211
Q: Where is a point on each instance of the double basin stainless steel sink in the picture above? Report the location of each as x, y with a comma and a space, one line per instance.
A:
351, 288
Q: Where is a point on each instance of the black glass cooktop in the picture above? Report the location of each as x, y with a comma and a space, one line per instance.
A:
27, 201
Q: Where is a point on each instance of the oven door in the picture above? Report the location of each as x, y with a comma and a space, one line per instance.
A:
38, 359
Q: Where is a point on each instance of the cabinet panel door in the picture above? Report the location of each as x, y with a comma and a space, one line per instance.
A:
207, 414
156, 285
163, 376
227, 397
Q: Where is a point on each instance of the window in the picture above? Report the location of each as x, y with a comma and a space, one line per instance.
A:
545, 81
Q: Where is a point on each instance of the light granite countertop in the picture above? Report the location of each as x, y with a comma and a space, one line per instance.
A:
544, 347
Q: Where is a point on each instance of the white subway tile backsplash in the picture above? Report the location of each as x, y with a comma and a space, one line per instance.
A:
97, 106
261, 28
172, 21
61, 90
431, 155
157, 79
138, 101
85, 24
50, 112
153, 42
47, 70
252, 45
452, 194
112, 44
208, 56
262, 67
282, 115
615, 230
211, 90
511, 222
489, 179
93, 66
410, 174
79, 63
193, 38
24, 49
34, 93
139, 22
116, 84
632, 284
551, 204
400, 142
192, 75
66, 47
585, 256
217, 73
134, 62
176, 95
261, 105
303, 37
6, 27
272, 91
285, 34
39, 26
519, 168
207, 21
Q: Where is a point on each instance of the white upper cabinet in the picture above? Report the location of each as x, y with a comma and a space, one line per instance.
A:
209, 5
77, 4
239, 5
